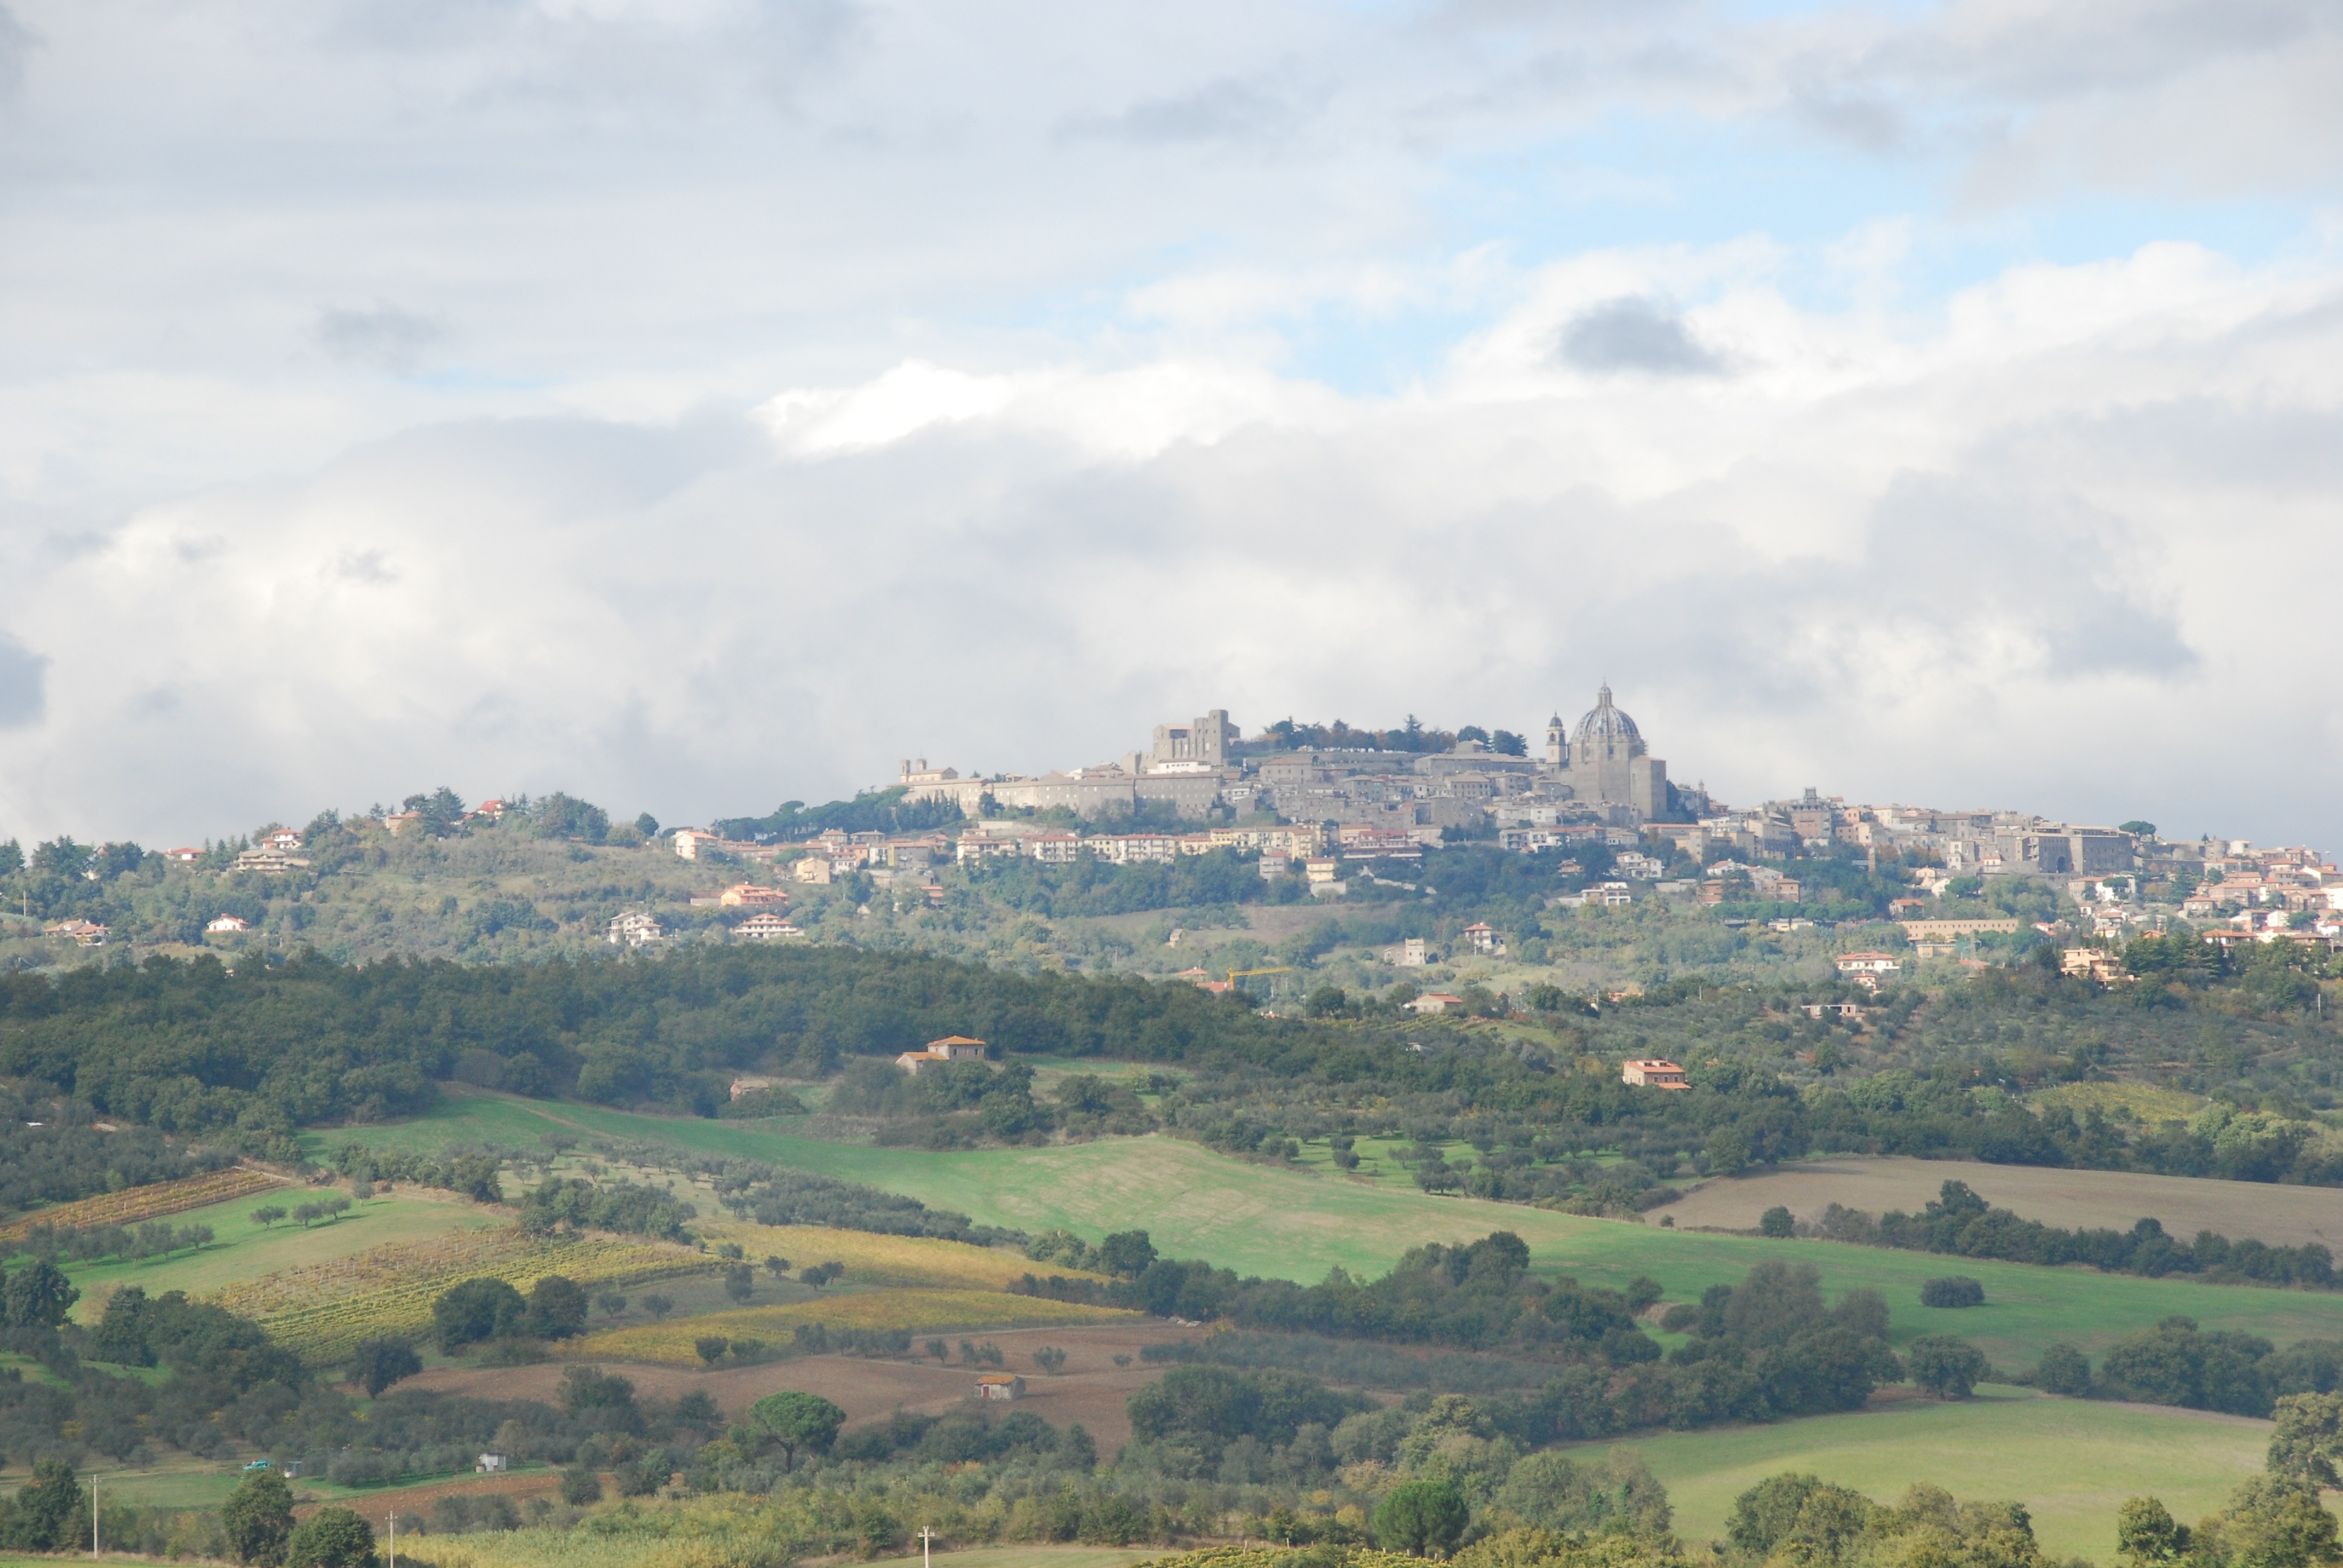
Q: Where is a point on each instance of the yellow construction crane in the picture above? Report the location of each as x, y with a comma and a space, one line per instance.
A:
1236, 975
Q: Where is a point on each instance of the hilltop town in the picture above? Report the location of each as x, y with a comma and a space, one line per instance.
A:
1220, 858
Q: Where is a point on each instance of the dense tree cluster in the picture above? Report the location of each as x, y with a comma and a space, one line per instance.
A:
1963, 1224
572, 1204
50, 1152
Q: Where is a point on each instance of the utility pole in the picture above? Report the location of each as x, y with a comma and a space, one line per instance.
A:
394, 1538
95, 1546
927, 1539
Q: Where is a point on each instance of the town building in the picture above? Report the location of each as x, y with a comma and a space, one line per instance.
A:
1868, 963
1604, 762
767, 927
221, 925
635, 929
749, 895
1437, 1001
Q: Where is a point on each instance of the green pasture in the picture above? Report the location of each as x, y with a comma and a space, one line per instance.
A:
244, 1250
2070, 1461
204, 1485
1294, 1225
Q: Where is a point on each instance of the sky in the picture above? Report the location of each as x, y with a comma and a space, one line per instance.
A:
702, 403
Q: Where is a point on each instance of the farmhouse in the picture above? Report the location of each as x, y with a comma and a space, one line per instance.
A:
1654, 1073
1001, 1385
951, 1048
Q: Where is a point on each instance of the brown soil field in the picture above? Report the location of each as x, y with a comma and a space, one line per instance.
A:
1091, 1390
2087, 1199
415, 1501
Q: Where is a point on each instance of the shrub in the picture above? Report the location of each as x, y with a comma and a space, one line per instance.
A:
1954, 1290
710, 1348
580, 1486
2063, 1370
1776, 1222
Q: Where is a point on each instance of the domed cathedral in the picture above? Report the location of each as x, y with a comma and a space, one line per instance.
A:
1604, 762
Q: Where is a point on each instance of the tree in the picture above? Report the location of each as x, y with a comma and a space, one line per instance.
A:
611, 1302
1127, 1252
1954, 1290
557, 1308
941, 1350
739, 1282
1776, 1222
258, 1519
2063, 1370
658, 1306
332, 1537
1945, 1366
46, 1515
710, 1348
798, 1421
37, 1296
267, 1214
776, 1266
378, 1364
2274, 1522
1421, 1517
580, 1487
1050, 1358
476, 1309
2309, 1439
2146, 1535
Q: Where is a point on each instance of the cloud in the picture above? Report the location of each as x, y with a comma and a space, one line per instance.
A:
1226, 111
22, 676
1633, 334
2004, 603
383, 337
15, 50
1946, 394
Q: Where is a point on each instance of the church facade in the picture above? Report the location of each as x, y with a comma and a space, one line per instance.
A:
1604, 762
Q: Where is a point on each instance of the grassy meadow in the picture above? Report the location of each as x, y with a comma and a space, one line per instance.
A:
2070, 1461
1296, 1225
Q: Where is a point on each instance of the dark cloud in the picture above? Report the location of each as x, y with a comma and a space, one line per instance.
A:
1229, 110
15, 51
23, 675
1633, 334
383, 337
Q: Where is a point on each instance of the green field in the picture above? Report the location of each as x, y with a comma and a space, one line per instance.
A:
1263, 1220
246, 1251
2070, 1461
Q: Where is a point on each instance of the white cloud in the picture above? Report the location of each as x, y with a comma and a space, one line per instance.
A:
778, 387
2012, 594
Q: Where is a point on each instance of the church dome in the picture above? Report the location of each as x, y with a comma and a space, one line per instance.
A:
1604, 722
